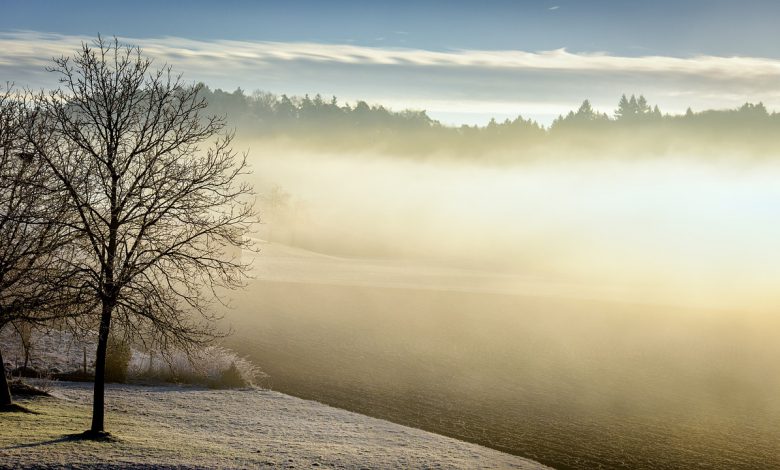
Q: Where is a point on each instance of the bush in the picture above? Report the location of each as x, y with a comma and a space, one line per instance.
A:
118, 355
212, 366
231, 378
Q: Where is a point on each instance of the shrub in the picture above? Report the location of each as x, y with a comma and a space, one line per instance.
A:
231, 378
118, 354
212, 366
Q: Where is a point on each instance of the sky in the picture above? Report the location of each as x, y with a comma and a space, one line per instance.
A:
464, 62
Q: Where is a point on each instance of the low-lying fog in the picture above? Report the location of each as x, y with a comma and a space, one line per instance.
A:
691, 231
582, 312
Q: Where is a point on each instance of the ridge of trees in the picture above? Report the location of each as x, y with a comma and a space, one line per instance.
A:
328, 122
278, 112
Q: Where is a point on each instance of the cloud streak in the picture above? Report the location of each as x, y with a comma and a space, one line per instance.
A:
404, 76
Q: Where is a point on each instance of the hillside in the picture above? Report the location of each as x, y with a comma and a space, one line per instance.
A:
178, 427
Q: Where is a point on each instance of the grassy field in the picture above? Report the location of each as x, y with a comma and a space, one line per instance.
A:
569, 383
180, 427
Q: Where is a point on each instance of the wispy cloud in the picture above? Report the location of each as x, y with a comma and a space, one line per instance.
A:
553, 8
405, 75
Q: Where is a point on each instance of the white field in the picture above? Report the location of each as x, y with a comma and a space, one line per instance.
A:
178, 427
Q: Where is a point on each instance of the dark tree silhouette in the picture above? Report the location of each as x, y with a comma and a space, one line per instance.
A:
633, 107
35, 240
642, 108
623, 110
155, 188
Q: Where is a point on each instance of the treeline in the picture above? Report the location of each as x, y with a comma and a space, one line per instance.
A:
635, 125
280, 113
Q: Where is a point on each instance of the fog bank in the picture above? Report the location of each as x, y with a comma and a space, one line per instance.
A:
670, 230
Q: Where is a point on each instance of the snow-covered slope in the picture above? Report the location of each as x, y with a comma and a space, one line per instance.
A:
198, 428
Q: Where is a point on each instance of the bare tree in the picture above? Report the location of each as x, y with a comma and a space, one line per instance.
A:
35, 281
24, 331
157, 192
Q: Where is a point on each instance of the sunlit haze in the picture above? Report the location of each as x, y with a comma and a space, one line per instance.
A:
348, 234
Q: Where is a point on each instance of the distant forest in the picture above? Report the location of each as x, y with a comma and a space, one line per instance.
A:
635, 126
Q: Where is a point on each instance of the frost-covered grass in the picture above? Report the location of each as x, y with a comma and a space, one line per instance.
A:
184, 427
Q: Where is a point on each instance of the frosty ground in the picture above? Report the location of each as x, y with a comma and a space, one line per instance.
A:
182, 427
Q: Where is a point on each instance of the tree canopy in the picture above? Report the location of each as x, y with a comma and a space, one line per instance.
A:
37, 244
155, 191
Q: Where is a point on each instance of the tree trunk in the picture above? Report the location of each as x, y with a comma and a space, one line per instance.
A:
5, 392
98, 402
25, 334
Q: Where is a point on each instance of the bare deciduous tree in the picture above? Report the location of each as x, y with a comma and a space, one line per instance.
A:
35, 244
157, 192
